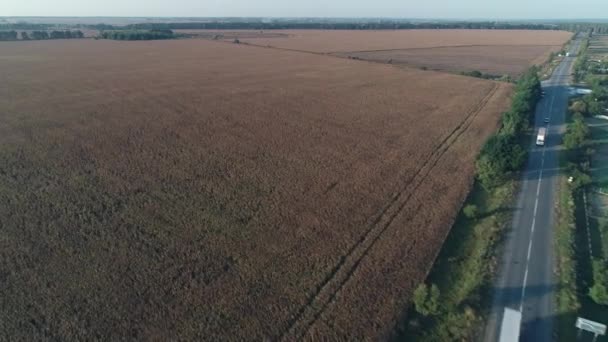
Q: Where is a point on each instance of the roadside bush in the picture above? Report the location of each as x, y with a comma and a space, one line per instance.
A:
502, 153
581, 178
426, 299
579, 106
599, 292
499, 157
471, 211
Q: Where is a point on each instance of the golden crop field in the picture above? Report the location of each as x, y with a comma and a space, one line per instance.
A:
201, 190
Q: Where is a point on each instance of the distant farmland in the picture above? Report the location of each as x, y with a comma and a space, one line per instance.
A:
197, 190
494, 60
499, 52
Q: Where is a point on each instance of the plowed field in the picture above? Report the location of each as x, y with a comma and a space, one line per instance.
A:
495, 60
497, 52
347, 41
200, 190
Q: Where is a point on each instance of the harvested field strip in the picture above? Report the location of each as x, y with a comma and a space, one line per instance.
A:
490, 59
349, 262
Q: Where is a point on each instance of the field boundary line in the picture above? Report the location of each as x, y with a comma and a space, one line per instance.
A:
441, 47
342, 272
245, 43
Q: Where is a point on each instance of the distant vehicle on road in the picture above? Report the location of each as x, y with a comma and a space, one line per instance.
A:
547, 120
540, 138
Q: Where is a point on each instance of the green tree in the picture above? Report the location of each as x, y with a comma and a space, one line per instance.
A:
8, 35
58, 35
500, 155
579, 107
40, 35
576, 133
595, 107
580, 178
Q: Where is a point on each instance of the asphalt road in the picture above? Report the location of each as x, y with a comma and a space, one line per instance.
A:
526, 273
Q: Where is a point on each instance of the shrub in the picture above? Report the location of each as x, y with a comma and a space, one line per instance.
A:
598, 292
471, 211
426, 299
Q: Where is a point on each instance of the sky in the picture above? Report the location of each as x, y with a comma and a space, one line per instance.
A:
444, 9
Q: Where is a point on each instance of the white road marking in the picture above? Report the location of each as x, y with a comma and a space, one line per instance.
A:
533, 226
587, 226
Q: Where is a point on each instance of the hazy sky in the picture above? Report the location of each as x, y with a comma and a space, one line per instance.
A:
464, 9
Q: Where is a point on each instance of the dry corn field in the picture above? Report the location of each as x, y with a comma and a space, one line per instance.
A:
200, 190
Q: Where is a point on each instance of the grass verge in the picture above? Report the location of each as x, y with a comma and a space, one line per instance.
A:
567, 301
463, 270
453, 307
579, 244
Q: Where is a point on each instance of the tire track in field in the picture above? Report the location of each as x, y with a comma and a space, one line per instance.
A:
342, 272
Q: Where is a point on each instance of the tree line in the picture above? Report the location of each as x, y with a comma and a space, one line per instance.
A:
138, 34
8, 35
40, 35
581, 63
324, 25
579, 153
329, 24
26, 26
597, 28
503, 154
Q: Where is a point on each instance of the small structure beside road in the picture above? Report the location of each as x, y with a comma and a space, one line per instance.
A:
597, 329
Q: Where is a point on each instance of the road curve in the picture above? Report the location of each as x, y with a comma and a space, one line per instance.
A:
526, 280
